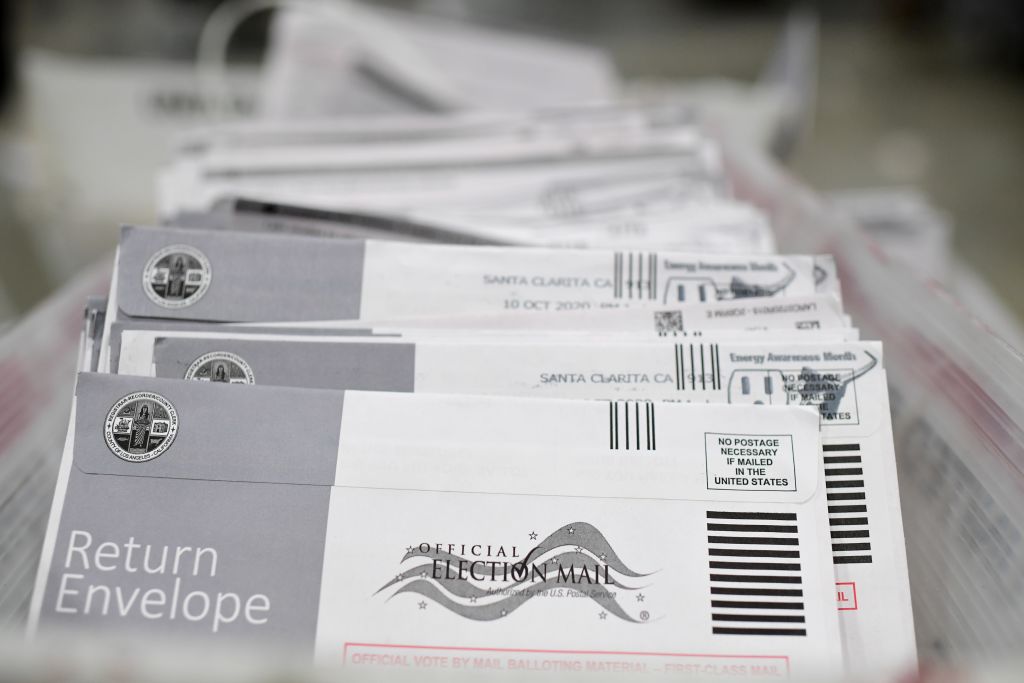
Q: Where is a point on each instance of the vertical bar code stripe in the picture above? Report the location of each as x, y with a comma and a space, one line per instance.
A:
847, 508
856, 495
639, 276
848, 533
713, 371
636, 422
652, 289
629, 282
647, 414
640, 430
840, 459
714, 514
840, 447
617, 275
611, 425
616, 424
703, 386
837, 472
626, 413
654, 431
856, 483
759, 631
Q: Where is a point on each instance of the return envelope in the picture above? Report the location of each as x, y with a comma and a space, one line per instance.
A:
492, 529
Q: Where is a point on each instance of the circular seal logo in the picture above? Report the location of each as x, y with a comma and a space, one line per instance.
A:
220, 366
176, 276
140, 426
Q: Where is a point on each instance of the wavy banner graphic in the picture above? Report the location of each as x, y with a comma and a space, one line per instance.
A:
591, 568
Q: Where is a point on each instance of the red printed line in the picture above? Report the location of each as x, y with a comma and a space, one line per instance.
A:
784, 658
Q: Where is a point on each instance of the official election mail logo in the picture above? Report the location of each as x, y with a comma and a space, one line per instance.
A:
220, 366
141, 426
176, 276
484, 581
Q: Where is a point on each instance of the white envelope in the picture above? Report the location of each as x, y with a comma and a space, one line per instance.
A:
137, 341
667, 212
844, 381
799, 314
399, 174
225, 277
352, 550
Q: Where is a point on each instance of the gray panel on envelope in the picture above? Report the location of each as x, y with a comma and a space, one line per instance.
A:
252, 277
316, 365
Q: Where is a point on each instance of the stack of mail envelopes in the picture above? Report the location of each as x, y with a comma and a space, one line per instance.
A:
530, 392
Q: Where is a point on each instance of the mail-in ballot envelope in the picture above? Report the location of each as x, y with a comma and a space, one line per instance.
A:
221, 276
820, 317
387, 529
805, 314
843, 381
179, 345
560, 120
512, 172
569, 218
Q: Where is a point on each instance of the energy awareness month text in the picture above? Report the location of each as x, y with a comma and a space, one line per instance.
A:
179, 598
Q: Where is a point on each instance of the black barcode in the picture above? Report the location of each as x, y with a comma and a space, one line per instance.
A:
847, 503
669, 322
635, 276
631, 426
697, 367
756, 582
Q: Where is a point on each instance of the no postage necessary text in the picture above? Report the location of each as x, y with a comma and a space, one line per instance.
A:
750, 462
